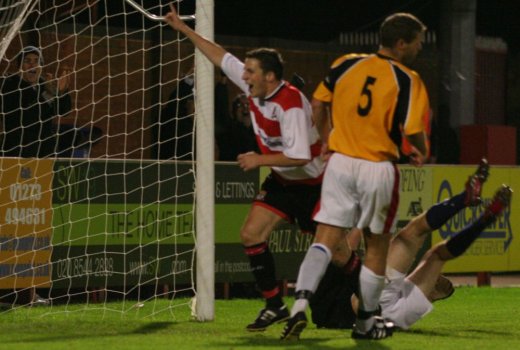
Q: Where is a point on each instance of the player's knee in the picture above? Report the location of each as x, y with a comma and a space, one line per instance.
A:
340, 255
439, 253
410, 238
251, 235
339, 260
417, 228
247, 237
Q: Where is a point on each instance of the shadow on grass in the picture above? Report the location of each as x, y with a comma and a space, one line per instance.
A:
306, 343
51, 336
461, 333
152, 327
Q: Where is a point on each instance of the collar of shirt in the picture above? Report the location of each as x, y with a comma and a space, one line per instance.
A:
275, 91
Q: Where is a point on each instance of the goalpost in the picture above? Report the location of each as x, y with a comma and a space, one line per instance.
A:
123, 209
13, 15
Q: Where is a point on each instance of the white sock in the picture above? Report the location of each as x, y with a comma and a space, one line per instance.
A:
299, 305
370, 287
312, 270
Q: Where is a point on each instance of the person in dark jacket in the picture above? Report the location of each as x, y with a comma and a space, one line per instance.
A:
173, 132
29, 104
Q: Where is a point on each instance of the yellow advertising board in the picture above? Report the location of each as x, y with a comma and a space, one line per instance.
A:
496, 247
26, 222
415, 192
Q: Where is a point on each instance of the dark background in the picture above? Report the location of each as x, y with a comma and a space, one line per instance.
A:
324, 20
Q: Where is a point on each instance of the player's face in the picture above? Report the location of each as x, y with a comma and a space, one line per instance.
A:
254, 77
31, 68
411, 49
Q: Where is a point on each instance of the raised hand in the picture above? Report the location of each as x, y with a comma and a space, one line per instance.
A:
57, 86
173, 19
64, 81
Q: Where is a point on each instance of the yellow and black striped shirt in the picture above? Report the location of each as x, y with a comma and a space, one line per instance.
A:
374, 99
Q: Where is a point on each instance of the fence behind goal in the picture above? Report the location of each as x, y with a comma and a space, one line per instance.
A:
111, 212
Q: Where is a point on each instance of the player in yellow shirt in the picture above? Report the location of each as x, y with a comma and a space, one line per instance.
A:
388, 96
374, 100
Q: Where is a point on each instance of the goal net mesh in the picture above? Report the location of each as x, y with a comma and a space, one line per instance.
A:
97, 175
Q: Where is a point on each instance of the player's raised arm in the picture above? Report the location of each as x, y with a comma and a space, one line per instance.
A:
211, 50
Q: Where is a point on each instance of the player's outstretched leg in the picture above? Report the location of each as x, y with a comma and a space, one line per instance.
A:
499, 203
441, 212
449, 249
474, 184
459, 243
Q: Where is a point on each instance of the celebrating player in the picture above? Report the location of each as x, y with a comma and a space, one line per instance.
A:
289, 145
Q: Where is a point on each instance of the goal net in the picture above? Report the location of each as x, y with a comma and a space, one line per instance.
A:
98, 181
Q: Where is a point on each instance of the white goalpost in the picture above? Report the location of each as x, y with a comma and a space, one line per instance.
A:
12, 15
122, 206
205, 185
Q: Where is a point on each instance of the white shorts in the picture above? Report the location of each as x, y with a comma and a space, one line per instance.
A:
359, 193
404, 303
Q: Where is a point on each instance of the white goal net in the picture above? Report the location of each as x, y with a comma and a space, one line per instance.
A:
98, 179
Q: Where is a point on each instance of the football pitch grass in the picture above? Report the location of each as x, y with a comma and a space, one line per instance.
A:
473, 318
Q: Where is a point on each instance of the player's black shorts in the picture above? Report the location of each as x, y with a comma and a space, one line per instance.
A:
295, 202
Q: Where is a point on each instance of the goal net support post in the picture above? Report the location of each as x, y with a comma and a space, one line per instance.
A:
205, 223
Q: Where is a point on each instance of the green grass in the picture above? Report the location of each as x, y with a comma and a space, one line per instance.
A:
473, 318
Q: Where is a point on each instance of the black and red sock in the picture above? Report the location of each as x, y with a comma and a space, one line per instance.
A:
262, 266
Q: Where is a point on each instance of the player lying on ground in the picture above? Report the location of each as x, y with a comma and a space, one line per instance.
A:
407, 298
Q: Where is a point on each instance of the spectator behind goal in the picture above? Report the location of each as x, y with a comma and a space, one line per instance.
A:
29, 104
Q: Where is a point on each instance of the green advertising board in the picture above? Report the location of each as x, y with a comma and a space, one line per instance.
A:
123, 223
